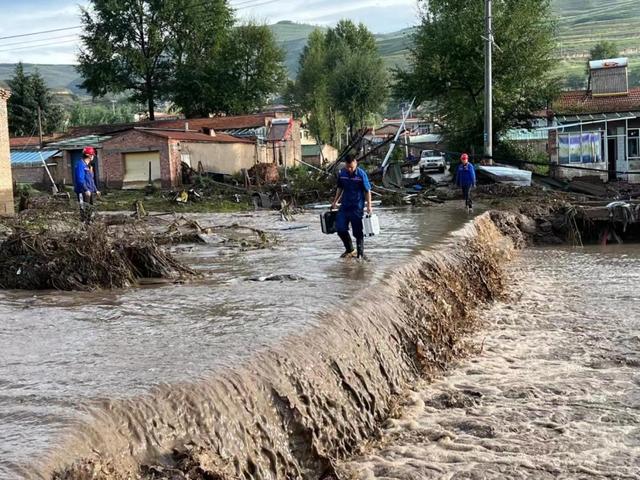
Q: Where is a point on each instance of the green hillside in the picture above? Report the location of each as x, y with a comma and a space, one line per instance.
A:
58, 77
581, 24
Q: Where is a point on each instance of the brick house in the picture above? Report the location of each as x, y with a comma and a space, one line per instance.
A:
6, 180
129, 158
597, 131
277, 135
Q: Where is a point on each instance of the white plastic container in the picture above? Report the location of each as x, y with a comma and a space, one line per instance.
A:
371, 225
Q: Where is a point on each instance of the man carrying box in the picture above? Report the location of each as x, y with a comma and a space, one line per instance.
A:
353, 190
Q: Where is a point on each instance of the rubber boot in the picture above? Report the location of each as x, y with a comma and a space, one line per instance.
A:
348, 243
360, 248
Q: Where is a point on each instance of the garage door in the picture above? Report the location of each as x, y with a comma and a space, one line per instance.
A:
136, 169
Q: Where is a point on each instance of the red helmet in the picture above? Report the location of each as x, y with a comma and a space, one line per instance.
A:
464, 156
89, 151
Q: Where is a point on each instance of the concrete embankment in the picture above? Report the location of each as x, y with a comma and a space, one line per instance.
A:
294, 410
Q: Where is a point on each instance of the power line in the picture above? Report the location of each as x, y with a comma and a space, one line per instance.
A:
19, 45
56, 44
40, 32
27, 42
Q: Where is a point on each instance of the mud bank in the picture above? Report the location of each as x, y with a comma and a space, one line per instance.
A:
292, 412
552, 395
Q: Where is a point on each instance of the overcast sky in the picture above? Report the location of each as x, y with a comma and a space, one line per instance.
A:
27, 16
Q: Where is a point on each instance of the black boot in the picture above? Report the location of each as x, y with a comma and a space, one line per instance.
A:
348, 244
360, 247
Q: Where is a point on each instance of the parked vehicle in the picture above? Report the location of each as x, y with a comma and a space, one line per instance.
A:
431, 160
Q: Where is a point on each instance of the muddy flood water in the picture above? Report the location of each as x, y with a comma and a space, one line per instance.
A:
554, 393
60, 352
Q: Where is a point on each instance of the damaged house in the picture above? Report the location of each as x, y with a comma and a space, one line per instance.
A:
597, 131
128, 155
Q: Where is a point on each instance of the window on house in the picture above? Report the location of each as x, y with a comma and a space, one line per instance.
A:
579, 147
633, 142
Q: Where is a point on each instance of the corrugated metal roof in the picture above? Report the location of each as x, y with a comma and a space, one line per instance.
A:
25, 158
523, 134
77, 143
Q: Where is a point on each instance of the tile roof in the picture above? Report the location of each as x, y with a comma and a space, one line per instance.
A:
217, 123
581, 101
31, 142
195, 136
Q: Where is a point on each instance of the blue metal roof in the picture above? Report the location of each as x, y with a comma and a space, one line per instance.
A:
25, 158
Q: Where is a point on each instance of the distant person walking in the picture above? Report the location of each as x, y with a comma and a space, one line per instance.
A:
466, 179
85, 184
354, 190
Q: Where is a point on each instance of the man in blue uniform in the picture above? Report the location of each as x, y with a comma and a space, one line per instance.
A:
354, 190
466, 179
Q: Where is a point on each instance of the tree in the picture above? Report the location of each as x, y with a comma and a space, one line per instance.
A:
80, 114
311, 88
447, 65
142, 46
251, 69
28, 94
602, 51
198, 50
359, 88
125, 49
341, 80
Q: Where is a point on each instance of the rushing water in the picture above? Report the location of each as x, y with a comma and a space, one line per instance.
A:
554, 393
59, 352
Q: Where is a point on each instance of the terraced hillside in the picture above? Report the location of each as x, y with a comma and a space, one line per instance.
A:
583, 23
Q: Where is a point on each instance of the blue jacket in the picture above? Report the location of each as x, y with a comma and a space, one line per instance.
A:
465, 175
353, 188
84, 181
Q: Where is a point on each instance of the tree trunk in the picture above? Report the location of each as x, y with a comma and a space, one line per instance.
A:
152, 114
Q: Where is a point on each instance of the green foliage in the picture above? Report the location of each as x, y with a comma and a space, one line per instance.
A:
81, 114
187, 51
447, 65
341, 80
252, 69
29, 92
524, 156
126, 48
603, 50
197, 50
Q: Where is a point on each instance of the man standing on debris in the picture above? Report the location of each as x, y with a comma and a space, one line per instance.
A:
353, 189
84, 182
466, 179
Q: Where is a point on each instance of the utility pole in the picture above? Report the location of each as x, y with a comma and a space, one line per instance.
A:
488, 88
39, 126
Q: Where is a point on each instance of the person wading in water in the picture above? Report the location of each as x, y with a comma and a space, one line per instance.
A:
466, 179
354, 190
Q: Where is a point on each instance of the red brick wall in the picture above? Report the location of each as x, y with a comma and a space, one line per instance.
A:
112, 157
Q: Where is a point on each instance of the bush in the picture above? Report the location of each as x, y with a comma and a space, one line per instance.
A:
523, 156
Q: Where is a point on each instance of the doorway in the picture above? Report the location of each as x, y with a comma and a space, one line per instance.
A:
612, 155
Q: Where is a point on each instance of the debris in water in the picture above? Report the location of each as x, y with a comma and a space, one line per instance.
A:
64, 254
